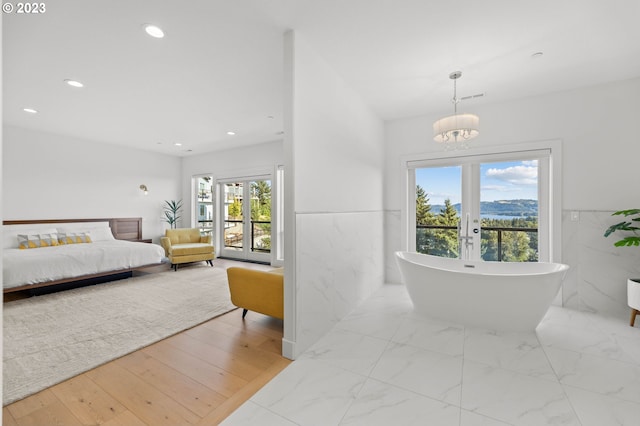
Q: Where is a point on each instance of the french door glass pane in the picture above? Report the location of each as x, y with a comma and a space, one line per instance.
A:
233, 215
261, 216
509, 200
204, 199
247, 219
438, 207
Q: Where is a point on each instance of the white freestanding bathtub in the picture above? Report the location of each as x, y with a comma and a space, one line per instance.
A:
494, 295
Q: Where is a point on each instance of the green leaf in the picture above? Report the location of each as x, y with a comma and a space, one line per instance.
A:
628, 242
628, 212
171, 211
622, 226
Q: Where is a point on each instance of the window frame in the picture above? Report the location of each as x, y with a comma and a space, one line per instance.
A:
275, 174
549, 187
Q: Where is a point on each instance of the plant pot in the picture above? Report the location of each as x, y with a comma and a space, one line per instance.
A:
633, 298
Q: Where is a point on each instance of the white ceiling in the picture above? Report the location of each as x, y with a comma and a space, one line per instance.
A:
219, 67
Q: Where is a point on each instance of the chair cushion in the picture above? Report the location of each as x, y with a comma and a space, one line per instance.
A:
190, 249
183, 235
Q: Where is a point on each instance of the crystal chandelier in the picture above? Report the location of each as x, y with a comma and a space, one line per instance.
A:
457, 127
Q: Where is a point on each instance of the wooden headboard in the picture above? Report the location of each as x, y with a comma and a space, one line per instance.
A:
122, 228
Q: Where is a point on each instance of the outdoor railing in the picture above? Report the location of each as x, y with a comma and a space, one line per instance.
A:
205, 226
256, 232
499, 230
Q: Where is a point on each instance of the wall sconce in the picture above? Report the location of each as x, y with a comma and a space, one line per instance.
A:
144, 189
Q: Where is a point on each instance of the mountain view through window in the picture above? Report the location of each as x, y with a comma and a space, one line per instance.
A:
508, 199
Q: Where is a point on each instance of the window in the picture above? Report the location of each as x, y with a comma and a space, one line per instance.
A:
492, 205
278, 214
204, 203
438, 200
246, 219
243, 213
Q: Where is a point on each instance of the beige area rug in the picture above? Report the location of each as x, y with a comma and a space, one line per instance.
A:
50, 338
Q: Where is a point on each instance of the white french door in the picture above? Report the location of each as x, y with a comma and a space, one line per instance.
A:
245, 219
494, 206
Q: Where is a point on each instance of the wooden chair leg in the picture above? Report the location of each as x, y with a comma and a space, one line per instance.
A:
634, 312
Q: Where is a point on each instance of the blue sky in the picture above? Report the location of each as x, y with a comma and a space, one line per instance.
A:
507, 180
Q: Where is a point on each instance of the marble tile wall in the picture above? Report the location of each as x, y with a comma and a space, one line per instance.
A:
597, 280
339, 263
392, 234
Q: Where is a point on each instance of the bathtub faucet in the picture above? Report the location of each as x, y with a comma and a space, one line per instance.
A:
466, 239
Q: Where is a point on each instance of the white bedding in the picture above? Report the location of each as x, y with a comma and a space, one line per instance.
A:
31, 266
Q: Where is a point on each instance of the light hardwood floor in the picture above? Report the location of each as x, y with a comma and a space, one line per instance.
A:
197, 377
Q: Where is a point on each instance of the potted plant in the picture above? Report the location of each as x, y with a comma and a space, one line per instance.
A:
633, 284
171, 212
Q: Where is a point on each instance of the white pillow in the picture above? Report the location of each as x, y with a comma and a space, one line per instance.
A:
97, 233
100, 234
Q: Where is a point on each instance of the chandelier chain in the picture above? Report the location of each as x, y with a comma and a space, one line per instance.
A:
455, 97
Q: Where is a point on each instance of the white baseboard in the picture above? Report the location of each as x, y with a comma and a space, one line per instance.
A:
288, 349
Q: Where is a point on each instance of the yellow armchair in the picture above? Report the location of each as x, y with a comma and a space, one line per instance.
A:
187, 245
258, 291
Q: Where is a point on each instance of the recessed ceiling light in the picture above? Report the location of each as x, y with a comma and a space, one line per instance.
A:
231, 133
177, 144
74, 83
30, 110
153, 31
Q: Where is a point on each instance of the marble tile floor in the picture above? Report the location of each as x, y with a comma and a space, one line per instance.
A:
385, 365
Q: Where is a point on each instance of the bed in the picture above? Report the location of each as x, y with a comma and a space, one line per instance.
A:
85, 249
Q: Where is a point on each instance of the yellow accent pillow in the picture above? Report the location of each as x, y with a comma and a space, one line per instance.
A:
26, 241
74, 238
48, 240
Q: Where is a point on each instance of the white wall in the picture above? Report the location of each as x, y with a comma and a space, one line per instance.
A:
597, 127
334, 168
47, 176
